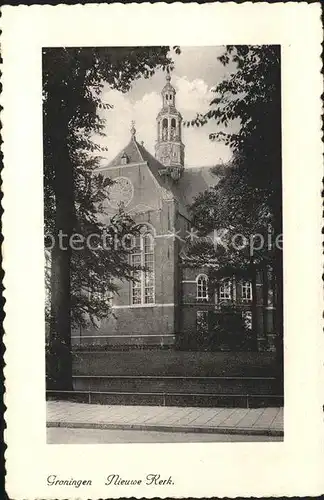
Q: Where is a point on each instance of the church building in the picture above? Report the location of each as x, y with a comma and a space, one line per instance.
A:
171, 304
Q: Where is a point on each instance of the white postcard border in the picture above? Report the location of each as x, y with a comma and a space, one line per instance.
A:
293, 467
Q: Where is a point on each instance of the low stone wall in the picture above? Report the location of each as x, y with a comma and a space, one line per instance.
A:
174, 363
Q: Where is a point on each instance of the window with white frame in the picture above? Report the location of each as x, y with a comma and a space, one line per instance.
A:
246, 291
225, 290
143, 289
202, 287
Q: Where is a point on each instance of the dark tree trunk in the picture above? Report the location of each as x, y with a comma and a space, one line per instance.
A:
278, 253
60, 332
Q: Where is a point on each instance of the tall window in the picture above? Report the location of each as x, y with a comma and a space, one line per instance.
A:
246, 291
142, 290
225, 290
165, 129
173, 128
202, 287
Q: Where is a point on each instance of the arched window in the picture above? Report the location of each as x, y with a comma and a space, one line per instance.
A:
164, 129
173, 128
202, 287
225, 290
143, 290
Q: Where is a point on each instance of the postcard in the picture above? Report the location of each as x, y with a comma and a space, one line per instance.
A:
163, 250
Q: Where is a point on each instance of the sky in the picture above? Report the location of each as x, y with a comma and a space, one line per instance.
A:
196, 72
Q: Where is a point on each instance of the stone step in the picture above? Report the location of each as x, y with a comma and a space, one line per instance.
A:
170, 399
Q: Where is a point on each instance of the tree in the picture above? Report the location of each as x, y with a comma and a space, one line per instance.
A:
249, 198
73, 79
232, 220
251, 94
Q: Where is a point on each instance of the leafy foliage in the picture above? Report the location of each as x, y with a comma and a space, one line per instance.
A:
252, 94
247, 200
233, 220
73, 79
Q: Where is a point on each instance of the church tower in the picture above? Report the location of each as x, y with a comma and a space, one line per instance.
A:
169, 149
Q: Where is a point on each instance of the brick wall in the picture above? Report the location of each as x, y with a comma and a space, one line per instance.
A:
147, 323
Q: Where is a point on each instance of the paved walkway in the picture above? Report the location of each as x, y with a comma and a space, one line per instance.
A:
260, 421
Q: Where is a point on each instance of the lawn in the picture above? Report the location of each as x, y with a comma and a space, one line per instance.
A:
175, 363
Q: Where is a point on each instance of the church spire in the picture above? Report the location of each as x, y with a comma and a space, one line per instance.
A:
169, 149
168, 93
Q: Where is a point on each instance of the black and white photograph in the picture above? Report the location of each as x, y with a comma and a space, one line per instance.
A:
163, 250
163, 238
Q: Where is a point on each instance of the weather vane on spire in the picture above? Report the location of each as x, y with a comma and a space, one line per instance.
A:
133, 129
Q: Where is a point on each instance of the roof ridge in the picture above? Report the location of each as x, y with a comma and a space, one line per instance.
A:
117, 155
126, 150
137, 147
149, 155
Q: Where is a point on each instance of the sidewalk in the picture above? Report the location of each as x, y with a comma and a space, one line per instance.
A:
260, 421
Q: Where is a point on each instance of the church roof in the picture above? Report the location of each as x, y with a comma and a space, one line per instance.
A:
196, 180
132, 152
136, 154
153, 163
155, 167
193, 181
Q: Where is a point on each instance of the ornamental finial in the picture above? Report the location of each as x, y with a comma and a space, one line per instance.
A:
168, 77
133, 129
